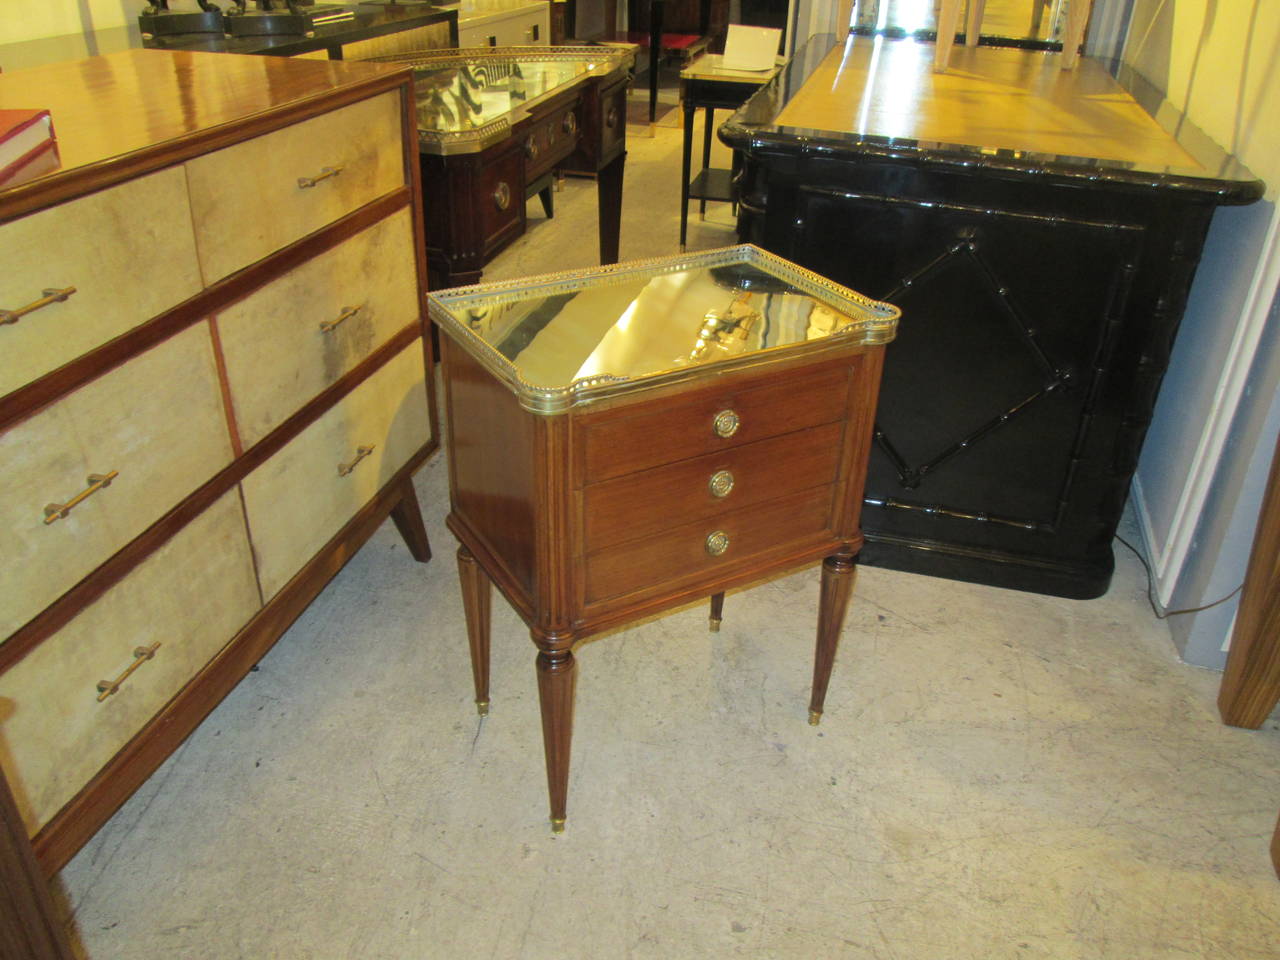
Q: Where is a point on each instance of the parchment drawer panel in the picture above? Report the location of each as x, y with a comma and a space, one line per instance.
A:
645, 503
246, 201
157, 419
191, 596
680, 555
278, 357
128, 251
297, 500
654, 432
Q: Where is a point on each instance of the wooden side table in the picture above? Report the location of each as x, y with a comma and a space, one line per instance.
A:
631, 438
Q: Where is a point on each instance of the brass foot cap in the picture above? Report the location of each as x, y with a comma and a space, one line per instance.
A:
482, 707
815, 717
557, 826
714, 624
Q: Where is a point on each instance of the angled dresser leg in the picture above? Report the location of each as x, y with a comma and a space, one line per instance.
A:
837, 585
557, 672
717, 609
407, 516
476, 605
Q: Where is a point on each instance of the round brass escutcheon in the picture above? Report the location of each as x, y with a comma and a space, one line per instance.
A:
502, 195
721, 483
570, 124
726, 423
717, 543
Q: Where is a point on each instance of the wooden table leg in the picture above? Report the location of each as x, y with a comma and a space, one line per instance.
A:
973, 23
476, 605
948, 18
706, 156
717, 609
1275, 849
609, 204
407, 516
837, 585
686, 165
557, 672
30, 927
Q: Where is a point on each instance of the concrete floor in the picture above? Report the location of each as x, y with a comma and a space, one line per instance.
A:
997, 774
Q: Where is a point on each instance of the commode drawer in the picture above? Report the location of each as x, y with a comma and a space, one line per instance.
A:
253, 198
119, 256
654, 432
190, 596
303, 495
289, 340
644, 503
114, 456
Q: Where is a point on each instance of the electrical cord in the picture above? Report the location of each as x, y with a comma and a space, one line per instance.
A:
1151, 598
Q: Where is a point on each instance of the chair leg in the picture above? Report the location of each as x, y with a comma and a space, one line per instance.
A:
1073, 35
948, 17
974, 22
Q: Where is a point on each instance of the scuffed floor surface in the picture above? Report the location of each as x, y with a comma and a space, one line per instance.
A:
998, 775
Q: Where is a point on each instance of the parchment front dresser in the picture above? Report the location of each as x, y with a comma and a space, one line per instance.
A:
211, 393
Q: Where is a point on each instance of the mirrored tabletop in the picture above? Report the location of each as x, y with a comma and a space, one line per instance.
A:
563, 338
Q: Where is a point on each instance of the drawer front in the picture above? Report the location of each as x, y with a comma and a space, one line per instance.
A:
642, 504
289, 340
613, 120
158, 420
551, 140
129, 253
650, 433
500, 204
680, 556
247, 201
303, 495
190, 596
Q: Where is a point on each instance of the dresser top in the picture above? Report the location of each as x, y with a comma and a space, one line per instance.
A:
115, 115
562, 339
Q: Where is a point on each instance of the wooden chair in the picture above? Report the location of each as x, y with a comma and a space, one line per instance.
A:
949, 18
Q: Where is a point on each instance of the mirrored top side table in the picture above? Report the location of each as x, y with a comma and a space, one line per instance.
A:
630, 438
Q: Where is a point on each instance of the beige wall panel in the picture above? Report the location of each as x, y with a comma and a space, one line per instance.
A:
129, 252
278, 357
246, 201
297, 500
157, 419
191, 596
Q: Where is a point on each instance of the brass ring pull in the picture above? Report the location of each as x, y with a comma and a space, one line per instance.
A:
611, 118
140, 656
726, 424
570, 124
52, 295
531, 147
361, 453
502, 196
96, 481
717, 543
346, 314
324, 174
721, 483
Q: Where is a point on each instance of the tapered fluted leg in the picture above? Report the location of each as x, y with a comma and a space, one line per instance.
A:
717, 608
407, 516
557, 671
837, 585
475, 603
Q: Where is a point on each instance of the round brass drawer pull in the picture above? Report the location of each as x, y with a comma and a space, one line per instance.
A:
726, 423
721, 483
717, 543
502, 196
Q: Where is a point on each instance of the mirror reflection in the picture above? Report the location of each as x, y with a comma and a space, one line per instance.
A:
467, 96
1032, 20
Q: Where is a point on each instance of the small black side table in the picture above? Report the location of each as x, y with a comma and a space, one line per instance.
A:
706, 83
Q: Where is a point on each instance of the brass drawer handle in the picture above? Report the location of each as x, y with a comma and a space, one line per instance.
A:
611, 118
346, 314
96, 481
726, 423
52, 295
502, 196
570, 124
361, 453
530, 148
721, 483
140, 656
717, 543
324, 174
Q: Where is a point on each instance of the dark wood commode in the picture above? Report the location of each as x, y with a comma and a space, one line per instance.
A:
630, 439
494, 125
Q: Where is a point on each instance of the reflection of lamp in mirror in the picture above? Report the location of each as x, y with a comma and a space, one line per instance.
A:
723, 334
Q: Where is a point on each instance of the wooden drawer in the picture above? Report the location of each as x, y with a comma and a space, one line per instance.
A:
246, 199
642, 504
303, 495
500, 204
655, 432
129, 253
157, 419
552, 139
278, 343
679, 556
191, 596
